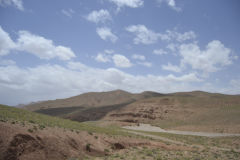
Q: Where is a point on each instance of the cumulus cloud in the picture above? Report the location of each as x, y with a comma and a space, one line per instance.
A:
33, 44
103, 57
138, 57
6, 43
147, 36
106, 34
170, 67
99, 16
16, 3
215, 56
68, 12
121, 61
159, 51
180, 37
170, 3
127, 3
42, 47
45, 82
143, 34
172, 47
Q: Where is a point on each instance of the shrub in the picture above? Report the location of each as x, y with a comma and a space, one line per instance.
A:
90, 133
41, 126
88, 147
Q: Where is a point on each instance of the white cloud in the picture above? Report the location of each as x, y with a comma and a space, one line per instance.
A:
147, 36
101, 57
68, 12
121, 61
108, 51
127, 3
6, 43
17, 3
180, 37
146, 64
143, 35
159, 51
42, 47
215, 56
34, 44
138, 57
106, 34
172, 47
99, 16
170, 67
170, 3
44, 82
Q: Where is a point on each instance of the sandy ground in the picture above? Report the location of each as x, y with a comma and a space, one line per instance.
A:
149, 128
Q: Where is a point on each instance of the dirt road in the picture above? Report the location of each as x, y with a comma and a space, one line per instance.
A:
149, 128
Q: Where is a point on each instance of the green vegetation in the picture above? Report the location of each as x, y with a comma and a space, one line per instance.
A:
165, 154
24, 116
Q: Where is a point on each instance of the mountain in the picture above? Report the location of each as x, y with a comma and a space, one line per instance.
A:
196, 111
193, 111
88, 106
91, 99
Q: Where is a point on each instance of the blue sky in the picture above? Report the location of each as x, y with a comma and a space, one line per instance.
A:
61, 48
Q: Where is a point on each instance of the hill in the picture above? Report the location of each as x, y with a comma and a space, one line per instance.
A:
91, 99
194, 111
27, 135
190, 111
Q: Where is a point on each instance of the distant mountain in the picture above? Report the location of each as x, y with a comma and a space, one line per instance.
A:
195, 110
92, 99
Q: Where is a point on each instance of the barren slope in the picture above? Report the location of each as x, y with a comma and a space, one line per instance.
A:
194, 111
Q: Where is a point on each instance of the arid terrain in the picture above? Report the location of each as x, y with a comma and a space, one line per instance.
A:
190, 111
122, 125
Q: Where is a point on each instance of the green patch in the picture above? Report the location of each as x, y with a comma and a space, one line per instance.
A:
23, 116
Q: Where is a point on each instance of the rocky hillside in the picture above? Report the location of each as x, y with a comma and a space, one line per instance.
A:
197, 111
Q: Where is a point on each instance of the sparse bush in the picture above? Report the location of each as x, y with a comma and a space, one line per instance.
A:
90, 133
88, 147
96, 137
35, 128
22, 123
30, 130
41, 126
31, 121
3, 120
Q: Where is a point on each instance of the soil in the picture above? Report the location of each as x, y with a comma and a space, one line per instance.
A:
17, 142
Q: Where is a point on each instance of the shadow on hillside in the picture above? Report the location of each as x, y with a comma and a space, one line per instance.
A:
82, 114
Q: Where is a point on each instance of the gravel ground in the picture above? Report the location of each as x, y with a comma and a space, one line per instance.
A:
149, 128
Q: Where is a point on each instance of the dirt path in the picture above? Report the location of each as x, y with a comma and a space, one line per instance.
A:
157, 137
178, 142
149, 128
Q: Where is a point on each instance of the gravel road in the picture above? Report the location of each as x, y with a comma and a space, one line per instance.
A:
149, 128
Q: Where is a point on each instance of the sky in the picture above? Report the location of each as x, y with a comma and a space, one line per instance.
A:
61, 48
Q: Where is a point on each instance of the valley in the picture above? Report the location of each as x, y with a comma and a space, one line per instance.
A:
192, 125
